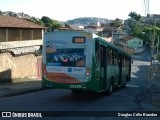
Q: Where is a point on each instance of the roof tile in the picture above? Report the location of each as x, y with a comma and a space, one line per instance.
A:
14, 22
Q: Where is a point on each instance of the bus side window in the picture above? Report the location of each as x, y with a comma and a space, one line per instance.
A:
127, 61
116, 58
107, 55
97, 50
113, 57
110, 56
123, 60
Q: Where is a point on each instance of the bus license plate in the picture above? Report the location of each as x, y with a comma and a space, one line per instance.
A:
75, 86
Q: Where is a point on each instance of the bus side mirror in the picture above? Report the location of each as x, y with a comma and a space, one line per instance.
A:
132, 62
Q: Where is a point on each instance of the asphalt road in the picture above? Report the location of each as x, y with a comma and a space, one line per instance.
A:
134, 97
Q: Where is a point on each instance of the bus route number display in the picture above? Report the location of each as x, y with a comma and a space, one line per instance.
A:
79, 40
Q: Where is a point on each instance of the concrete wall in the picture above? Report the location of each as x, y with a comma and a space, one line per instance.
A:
135, 42
17, 67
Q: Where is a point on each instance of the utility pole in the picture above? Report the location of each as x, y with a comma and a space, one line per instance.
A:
158, 46
157, 52
152, 49
153, 41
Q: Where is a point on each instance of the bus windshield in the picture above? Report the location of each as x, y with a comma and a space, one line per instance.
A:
67, 57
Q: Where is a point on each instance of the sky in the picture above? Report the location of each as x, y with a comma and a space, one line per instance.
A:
69, 9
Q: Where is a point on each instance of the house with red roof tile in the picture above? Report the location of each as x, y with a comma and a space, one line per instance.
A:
20, 43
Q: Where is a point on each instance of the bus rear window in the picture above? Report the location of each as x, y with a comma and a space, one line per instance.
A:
72, 57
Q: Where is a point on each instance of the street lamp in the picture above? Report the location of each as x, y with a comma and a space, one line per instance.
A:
152, 52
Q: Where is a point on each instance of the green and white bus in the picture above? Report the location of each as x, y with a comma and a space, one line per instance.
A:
82, 61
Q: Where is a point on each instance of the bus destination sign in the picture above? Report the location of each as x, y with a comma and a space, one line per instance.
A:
79, 39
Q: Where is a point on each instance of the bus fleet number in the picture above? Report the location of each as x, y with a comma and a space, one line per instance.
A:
75, 86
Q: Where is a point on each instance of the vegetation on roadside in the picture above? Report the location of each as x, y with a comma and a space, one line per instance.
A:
137, 28
158, 58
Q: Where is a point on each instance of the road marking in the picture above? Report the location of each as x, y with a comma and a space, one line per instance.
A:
132, 86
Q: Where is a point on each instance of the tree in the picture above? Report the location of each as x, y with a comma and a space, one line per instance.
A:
55, 24
136, 30
66, 25
150, 37
117, 22
36, 21
51, 24
135, 16
46, 19
158, 58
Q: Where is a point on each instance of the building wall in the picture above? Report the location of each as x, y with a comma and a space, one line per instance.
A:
13, 68
2, 35
134, 43
15, 34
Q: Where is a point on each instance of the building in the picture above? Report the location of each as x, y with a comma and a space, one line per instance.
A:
20, 42
109, 31
150, 19
118, 35
131, 42
94, 28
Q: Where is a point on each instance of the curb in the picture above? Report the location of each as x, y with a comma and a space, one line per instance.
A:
21, 92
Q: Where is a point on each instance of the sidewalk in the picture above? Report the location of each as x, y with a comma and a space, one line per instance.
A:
154, 86
154, 92
11, 89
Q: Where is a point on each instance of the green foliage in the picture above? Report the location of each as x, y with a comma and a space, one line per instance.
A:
66, 25
149, 38
135, 16
158, 58
46, 22
137, 29
49, 23
36, 21
117, 22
